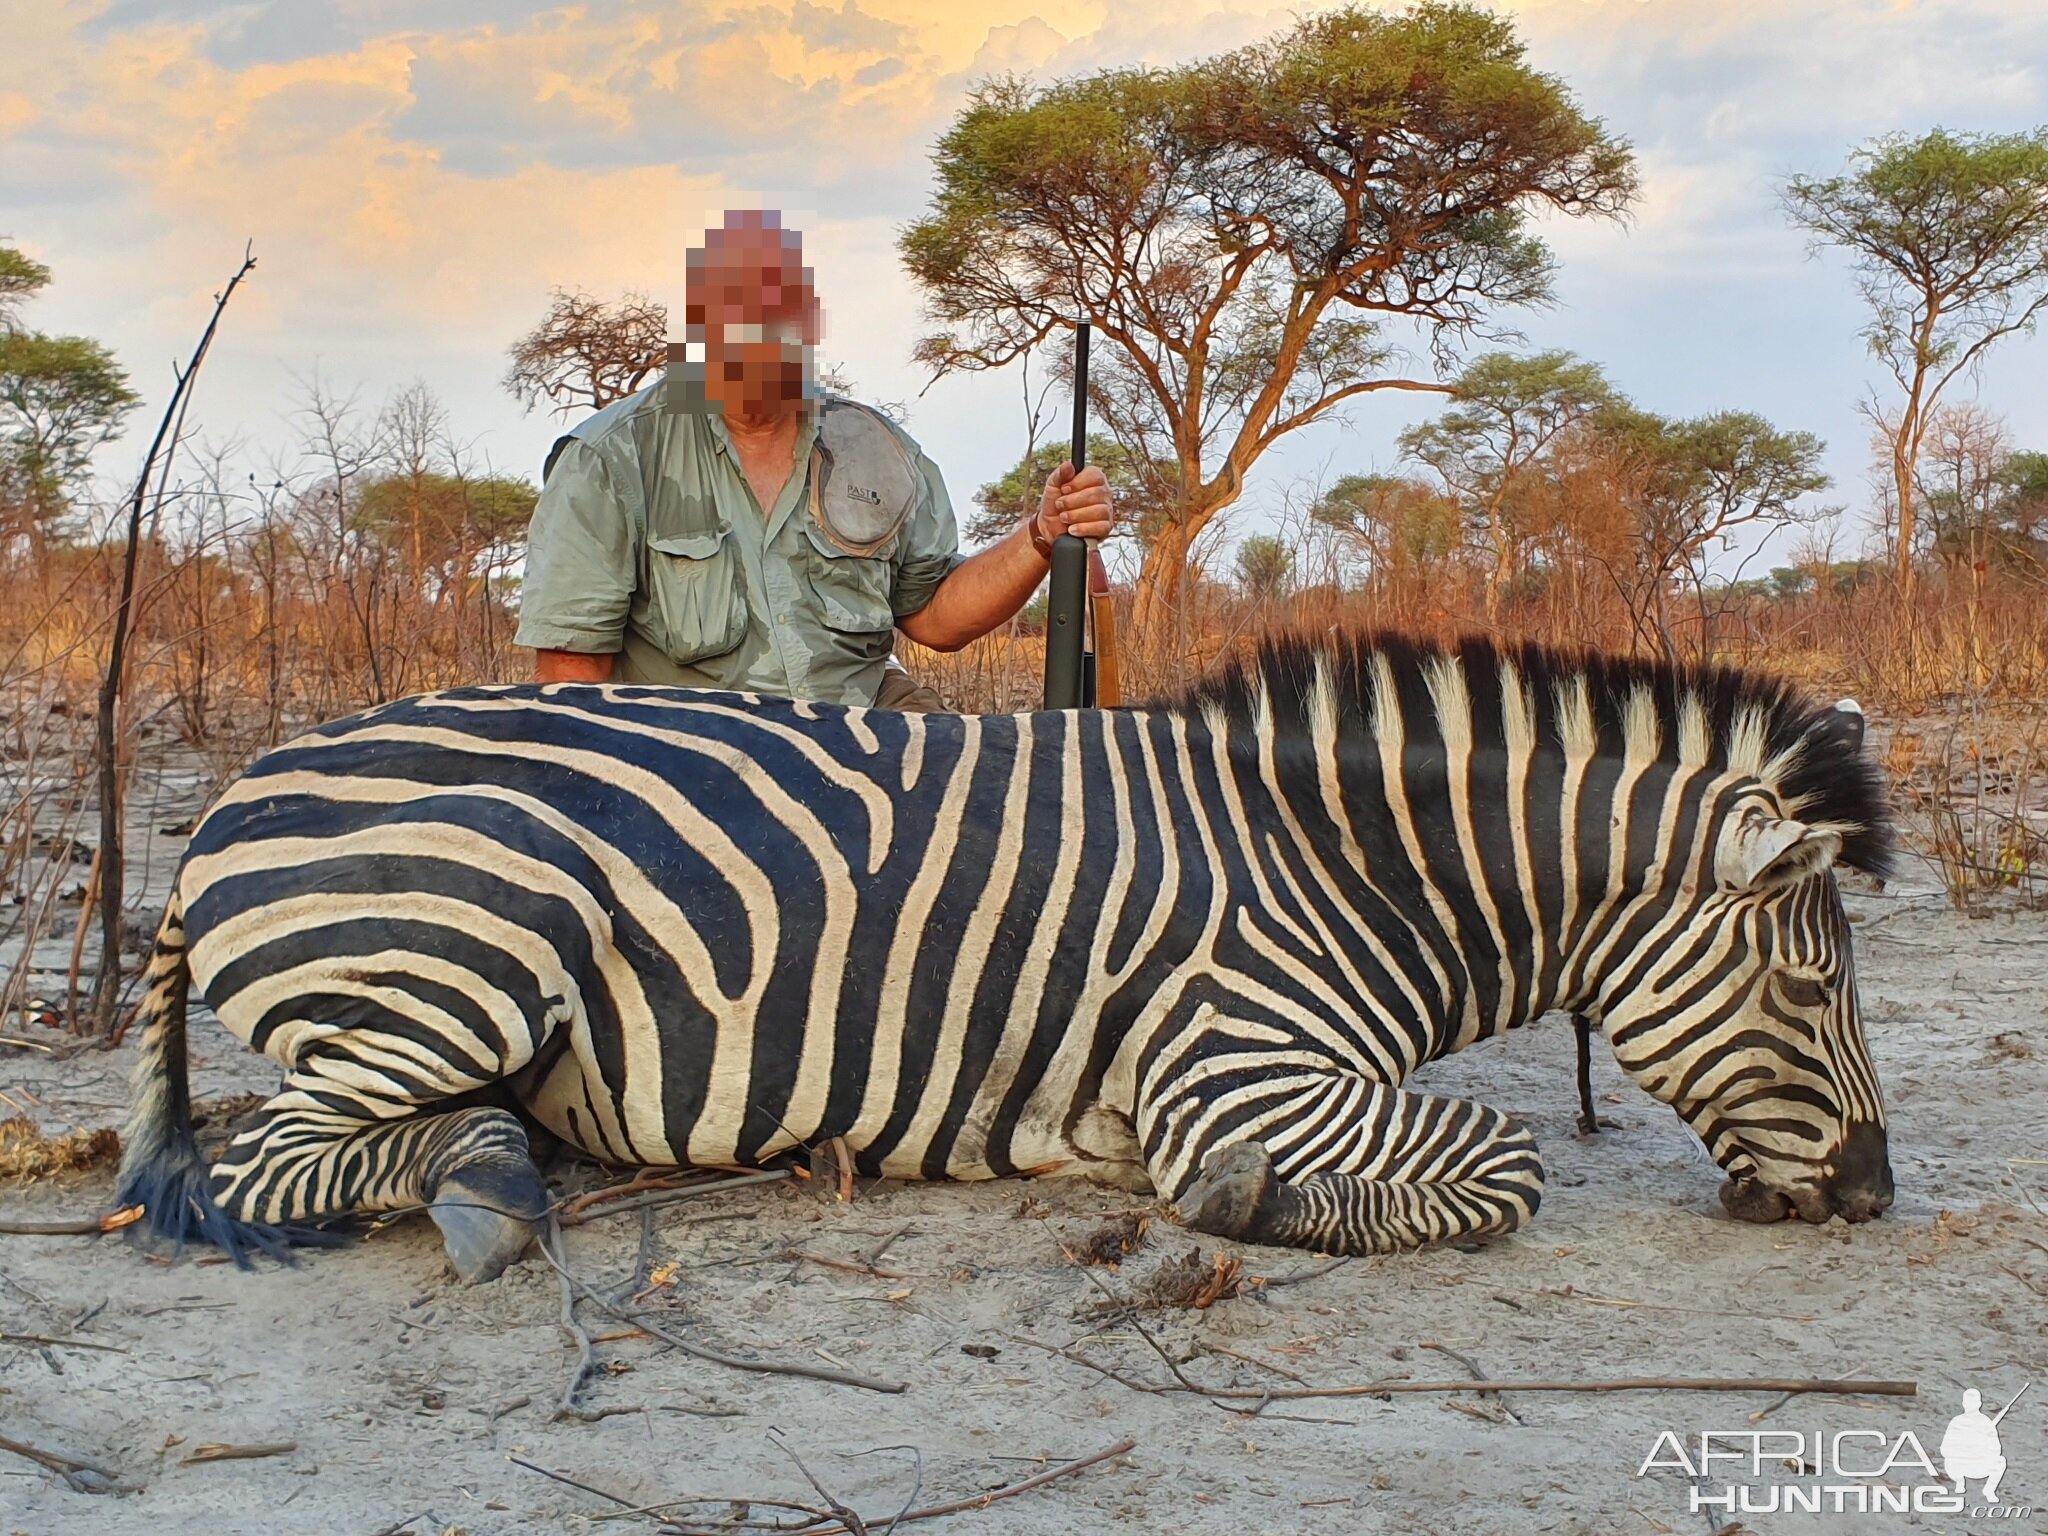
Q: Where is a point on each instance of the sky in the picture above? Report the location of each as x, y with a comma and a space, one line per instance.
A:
413, 179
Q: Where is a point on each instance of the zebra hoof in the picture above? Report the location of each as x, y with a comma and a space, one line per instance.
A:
1233, 1187
1748, 1200
477, 1210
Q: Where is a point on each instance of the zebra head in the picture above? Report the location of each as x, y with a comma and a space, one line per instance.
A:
1743, 1016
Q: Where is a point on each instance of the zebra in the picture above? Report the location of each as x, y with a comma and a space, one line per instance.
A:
1194, 946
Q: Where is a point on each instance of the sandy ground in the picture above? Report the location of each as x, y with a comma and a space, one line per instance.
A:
404, 1398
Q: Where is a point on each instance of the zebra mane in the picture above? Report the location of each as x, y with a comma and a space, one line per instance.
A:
1578, 702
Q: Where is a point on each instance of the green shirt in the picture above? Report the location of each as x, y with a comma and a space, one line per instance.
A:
647, 542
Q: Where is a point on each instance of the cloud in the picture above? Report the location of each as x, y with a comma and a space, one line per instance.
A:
415, 178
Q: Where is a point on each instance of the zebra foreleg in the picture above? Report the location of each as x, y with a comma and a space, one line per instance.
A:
1358, 1167
313, 1155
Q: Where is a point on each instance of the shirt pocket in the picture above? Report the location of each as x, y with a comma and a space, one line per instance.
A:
698, 597
852, 590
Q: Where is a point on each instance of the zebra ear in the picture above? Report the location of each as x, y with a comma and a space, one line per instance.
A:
1766, 853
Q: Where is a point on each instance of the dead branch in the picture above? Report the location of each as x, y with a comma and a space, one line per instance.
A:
106, 987
586, 1356
1819, 1385
647, 1179
850, 1266
113, 1221
847, 1518
983, 1500
763, 1367
671, 1196
37, 1338
219, 1452
563, 1477
930, 1512
56, 1461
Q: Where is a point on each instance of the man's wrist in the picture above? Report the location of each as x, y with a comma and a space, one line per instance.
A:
1039, 541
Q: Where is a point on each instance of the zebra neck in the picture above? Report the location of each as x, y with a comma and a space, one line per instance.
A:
1452, 892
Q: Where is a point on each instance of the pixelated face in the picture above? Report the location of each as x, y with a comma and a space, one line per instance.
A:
752, 303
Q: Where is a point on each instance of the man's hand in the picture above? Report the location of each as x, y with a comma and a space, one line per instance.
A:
1076, 503
991, 586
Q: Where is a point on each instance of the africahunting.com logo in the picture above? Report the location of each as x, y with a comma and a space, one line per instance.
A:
1848, 1471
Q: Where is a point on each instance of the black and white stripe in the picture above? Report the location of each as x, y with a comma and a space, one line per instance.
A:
1216, 932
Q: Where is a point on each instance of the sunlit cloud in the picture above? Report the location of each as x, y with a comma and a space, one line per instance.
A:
415, 178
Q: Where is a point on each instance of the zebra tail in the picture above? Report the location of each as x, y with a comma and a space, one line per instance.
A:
161, 1167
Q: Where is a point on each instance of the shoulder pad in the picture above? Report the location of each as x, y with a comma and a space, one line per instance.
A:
863, 485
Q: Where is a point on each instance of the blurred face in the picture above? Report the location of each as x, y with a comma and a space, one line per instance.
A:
750, 301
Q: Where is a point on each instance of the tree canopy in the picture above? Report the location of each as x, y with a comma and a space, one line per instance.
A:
1241, 229
1142, 504
1508, 410
1543, 464
1948, 234
20, 277
61, 397
586, 353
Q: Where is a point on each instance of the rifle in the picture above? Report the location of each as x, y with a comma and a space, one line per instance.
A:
1080, 630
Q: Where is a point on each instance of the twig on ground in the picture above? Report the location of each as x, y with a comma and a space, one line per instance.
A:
1477, 1375
2038, 1290
37, 1338
847, 1517
672, 1196
1374, 1388
219, 1452
764, 1367
1267, 1282
916, 1476
56, 1461
112, 1221
1264, 1365
851, 1266
646, 1180
1129, 1315
586, 1356
930, 1512
874, 1254
1770, 1408
983, 1500
398, 1525
563, 1477
844, 1157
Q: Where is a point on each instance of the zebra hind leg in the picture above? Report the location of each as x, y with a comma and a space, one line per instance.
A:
313, 1155
1399, 1170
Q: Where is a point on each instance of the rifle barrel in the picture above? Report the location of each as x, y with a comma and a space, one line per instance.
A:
1066, 610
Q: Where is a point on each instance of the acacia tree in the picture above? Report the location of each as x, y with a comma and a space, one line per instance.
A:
1949, 236
1508, 411
1001, 505
1683, 487
1240, 230
1265, 568
1407, 531
61, 398
20, 276
586, 353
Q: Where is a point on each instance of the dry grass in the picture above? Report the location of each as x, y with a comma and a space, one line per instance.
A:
26, 1153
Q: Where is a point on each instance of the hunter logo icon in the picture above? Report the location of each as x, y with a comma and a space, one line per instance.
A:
1970, 1447
862, 493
